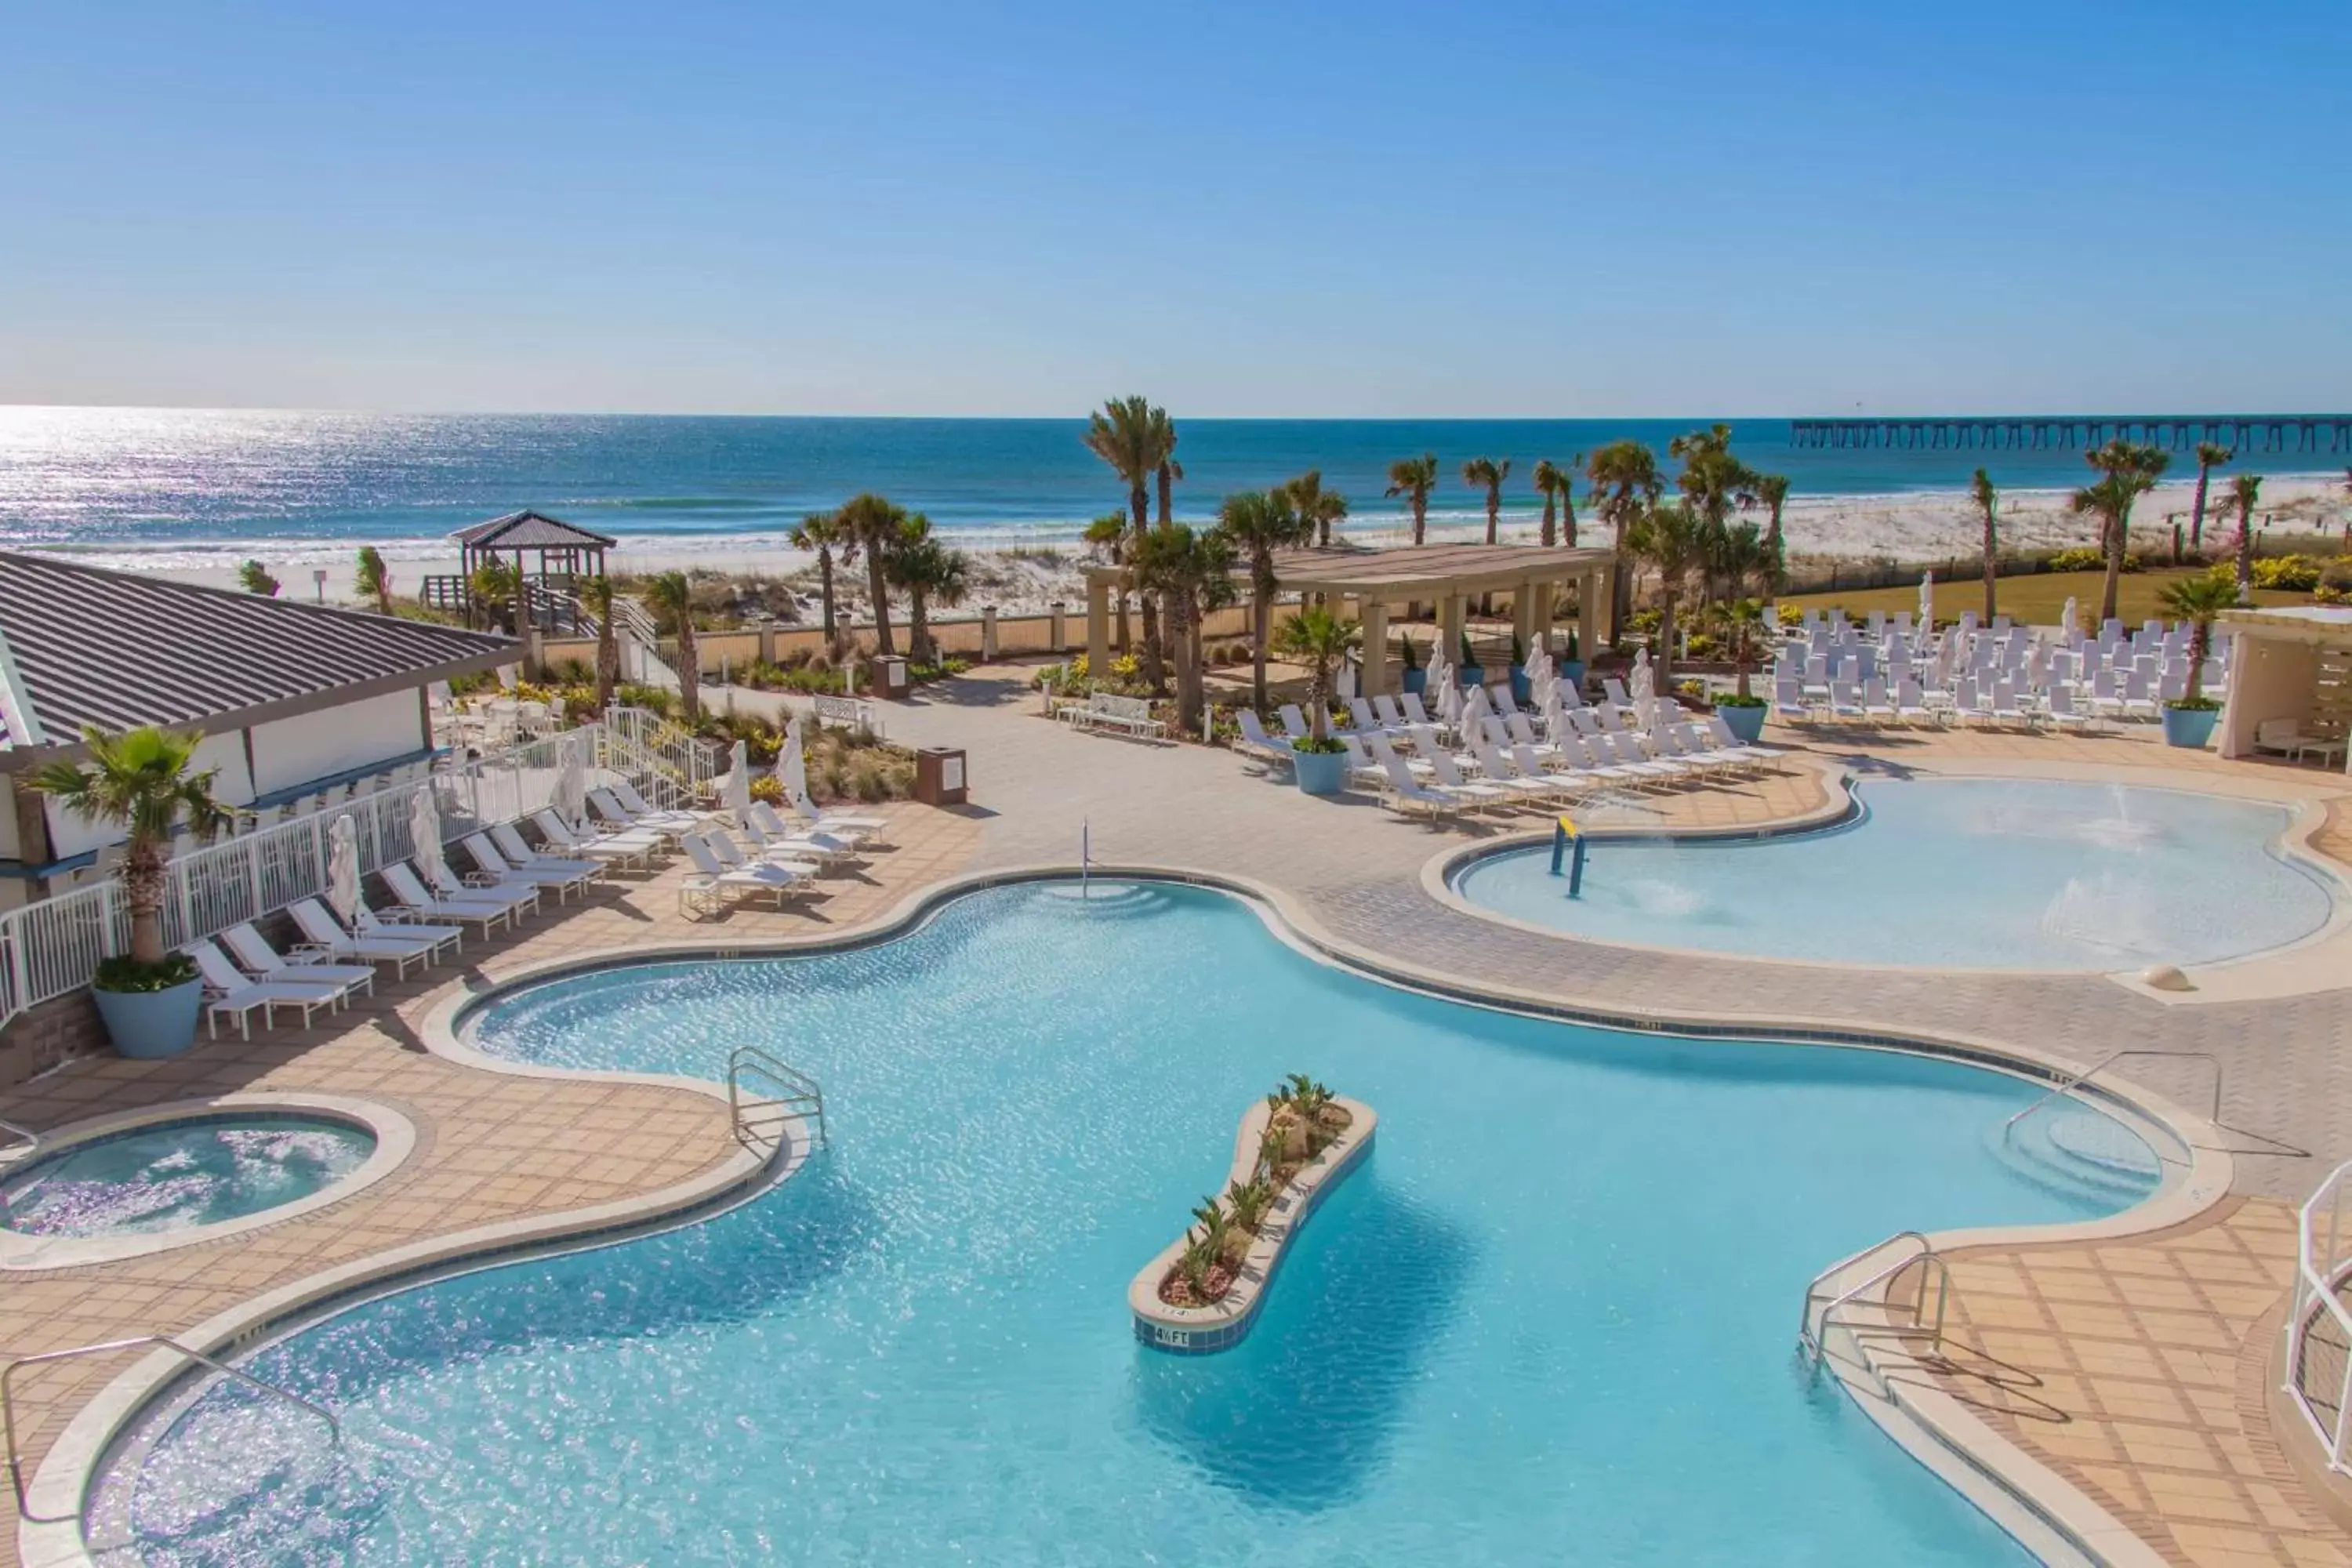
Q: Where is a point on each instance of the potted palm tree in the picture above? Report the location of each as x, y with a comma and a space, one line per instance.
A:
1519, 669
1571, 663
1319, 640
1742, 710
141, 781
1415, 679
1467, 668
2189, 719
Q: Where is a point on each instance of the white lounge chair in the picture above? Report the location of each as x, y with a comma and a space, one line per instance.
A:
327, 936
566, 877
414, 902
257, 957
646, 813
226, 990
711, 882
1474, 794
622, 849
1408, 795
734, 858
1719, 732
1534, 784
1625, 751
1258, 745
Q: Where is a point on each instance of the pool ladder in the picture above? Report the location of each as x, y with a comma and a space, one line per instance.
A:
138, 1341
1824, 1301
764, 1096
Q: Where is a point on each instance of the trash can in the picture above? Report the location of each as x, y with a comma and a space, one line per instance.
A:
885, 676
939, 775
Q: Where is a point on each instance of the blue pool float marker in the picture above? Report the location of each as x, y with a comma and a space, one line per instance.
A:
1563, 835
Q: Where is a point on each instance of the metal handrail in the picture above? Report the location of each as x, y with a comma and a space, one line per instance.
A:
801, 1096
161, 1342
2079, 1079
1812, 1342
31, 1139
2317, 1282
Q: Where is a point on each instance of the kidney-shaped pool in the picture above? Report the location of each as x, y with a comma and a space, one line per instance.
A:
1550, 1321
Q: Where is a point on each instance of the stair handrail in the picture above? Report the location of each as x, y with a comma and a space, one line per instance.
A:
30, 1138
1812, 1342
2070, 1085
2320, 1272
1813, 1288
158, 1341
802, 1096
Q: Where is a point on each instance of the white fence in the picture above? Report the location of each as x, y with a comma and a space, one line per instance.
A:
2319, 1328
52, 948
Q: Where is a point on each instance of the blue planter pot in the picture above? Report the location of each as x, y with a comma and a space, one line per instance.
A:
151, 1023
1747, 723
1319, 772
1471, 675
1572, 671
1416, 681
1519, 690
2189, 727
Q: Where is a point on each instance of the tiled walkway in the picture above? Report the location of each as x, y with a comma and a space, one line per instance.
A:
491, 1147
2139, 1369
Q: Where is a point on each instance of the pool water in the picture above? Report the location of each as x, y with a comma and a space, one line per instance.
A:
1948, 873
1551, 1318
175, 1175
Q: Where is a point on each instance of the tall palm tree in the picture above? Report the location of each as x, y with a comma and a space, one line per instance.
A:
1625, 483
1259, 523
1772, 489
1413, 479
374, 578
1319, 640
1192, 573
822, 532
1734, 554
871, 523
1491, 473
2210, 455
670, 596
1316, 505
1167, 470
2128, 470
1126, 435
596, 596
2246, 489
1553, 482
931, 573
1670, 538
144, 780
1987, 501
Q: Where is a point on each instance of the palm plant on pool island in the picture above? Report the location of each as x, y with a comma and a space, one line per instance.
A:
1319, 640
1303, 1118
1259, 523
145, 781
1413, 479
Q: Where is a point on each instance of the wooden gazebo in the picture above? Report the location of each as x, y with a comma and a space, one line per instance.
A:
563, 552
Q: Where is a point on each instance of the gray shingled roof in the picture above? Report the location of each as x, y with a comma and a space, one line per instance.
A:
531, 530
121, 649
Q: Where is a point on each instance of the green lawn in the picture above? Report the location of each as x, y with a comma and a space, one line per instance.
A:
2035, 600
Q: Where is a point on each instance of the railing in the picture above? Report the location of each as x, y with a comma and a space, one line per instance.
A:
2319, 1328
139, 1341
792, 1095
25, 1135
672, 768
2213, 1113
1813, 1327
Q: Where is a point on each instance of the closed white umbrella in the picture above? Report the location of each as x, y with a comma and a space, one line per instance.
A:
791, 771
571, 795
2066, 623
1643, 687
1346, 684
1927, 601
1449, 698
736, 796
344, 868
425, 831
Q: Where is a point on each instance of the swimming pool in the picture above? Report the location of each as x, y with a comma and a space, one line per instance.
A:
1550, 1318
178, 1174
1947, 873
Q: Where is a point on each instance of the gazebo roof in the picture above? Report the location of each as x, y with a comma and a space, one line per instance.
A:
531, 530
1422, 571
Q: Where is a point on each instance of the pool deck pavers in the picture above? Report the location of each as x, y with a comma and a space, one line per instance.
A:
2137, 1405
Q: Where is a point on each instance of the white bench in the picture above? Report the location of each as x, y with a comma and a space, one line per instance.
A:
1131, 715
852, 710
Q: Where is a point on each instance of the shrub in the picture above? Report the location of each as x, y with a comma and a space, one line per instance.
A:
2337, 575
1126, 667
1792, 615
2288, 574
2088, 558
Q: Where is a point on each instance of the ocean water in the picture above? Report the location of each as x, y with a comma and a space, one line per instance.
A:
1551, 1320
194, 487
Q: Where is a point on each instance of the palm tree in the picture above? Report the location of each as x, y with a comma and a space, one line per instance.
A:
1192, 573
1319, 640
141, 781
932, 574
1126, 435
1318, 506
1669, 537
1734, 555
2246, 489
491, 592
1167, 470
2210, 455
1987, 501
870, 523
1772, 489
1413, 479
822, 532
1553, 483
1625, 483
1259, 523
2198, 600
2128, 470
670, 596
596, 596
374, 578
1490, 473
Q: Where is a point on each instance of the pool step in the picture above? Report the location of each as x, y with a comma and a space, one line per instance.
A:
1107, 898
2080, 1152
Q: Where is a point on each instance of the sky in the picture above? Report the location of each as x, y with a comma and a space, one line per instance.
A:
1364, 209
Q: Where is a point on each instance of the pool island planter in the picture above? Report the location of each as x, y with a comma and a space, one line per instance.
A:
1200, 1331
